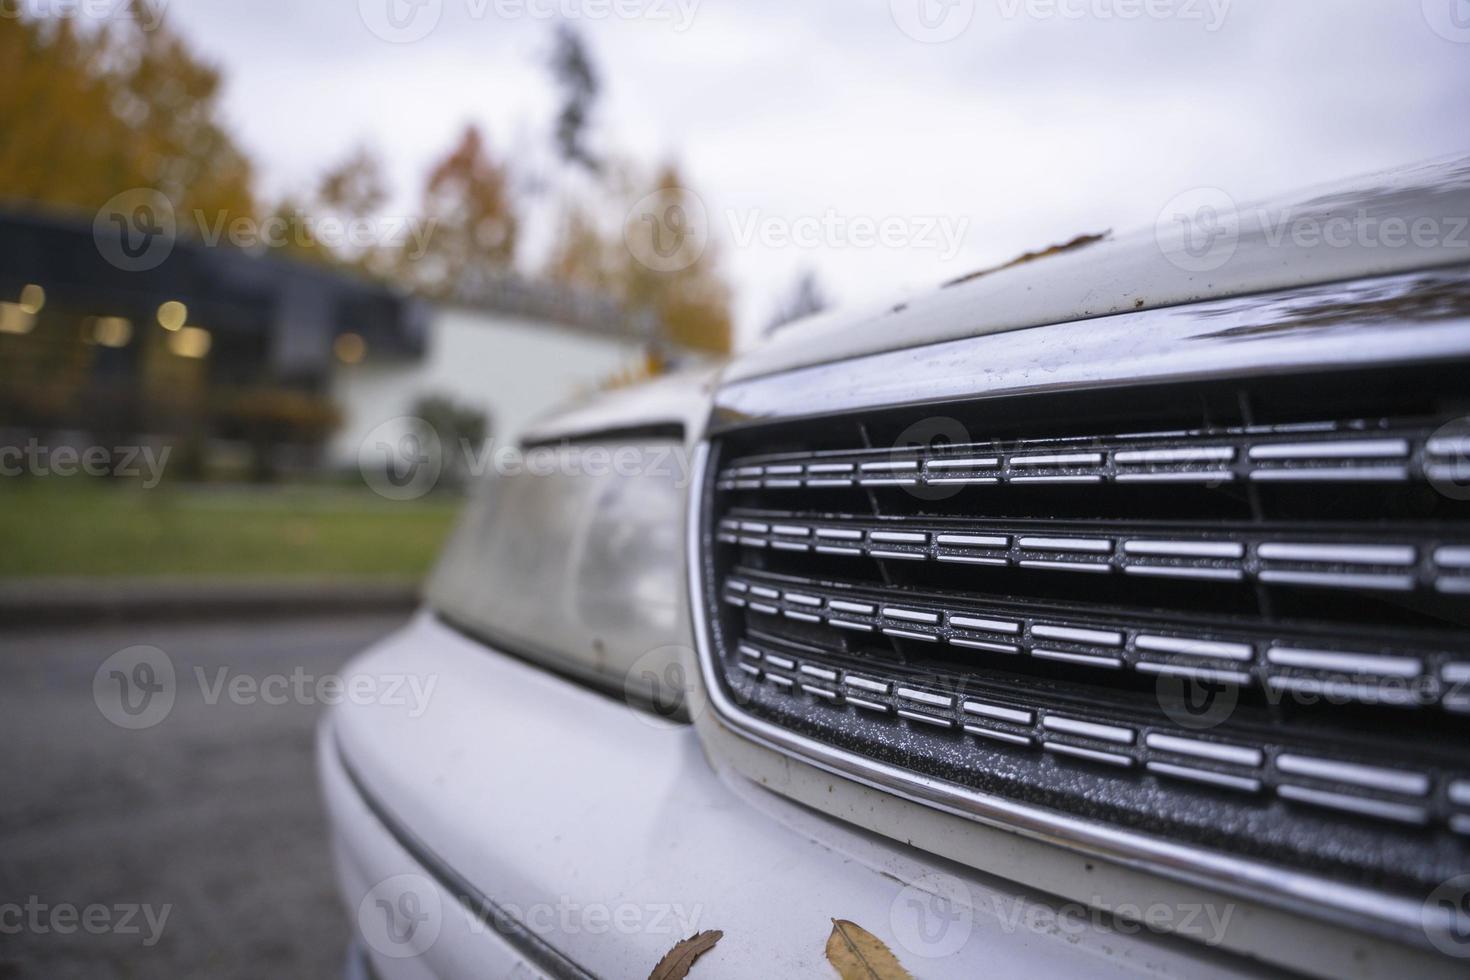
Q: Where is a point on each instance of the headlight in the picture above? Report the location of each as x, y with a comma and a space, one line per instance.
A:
573, 557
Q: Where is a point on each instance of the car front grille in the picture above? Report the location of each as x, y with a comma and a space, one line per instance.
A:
1234, 615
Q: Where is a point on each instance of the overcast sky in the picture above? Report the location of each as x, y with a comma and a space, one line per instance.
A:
1034, 121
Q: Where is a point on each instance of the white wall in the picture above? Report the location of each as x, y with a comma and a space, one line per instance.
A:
512, 368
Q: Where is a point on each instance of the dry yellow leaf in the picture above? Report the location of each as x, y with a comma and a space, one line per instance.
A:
857, 954
677, 961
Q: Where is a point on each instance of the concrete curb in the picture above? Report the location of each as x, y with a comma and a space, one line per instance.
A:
51, 602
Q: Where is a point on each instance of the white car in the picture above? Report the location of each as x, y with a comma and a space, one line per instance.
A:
1105, 614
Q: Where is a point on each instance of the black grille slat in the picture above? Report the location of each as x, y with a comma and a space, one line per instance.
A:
1323, 452
1400, 560
1141, 643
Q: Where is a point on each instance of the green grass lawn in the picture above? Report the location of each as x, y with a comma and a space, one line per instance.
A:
82, 527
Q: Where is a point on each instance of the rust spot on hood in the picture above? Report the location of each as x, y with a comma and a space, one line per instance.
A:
1081, 241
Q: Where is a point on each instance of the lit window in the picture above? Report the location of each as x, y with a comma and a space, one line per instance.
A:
15, 319
171, 315
350, 348
112, 331
32, 298
190, 342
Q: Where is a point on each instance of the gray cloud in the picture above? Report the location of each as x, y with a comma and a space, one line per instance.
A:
1033, 128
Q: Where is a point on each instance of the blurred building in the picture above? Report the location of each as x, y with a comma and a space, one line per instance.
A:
509, 348
252, 365
205, 348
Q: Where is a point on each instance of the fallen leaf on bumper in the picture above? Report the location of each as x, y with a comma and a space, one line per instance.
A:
857, 954
677, 961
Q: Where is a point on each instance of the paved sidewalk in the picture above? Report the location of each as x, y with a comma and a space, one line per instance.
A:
212, 813
39, 602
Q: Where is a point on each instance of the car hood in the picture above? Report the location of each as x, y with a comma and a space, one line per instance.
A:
1391, 222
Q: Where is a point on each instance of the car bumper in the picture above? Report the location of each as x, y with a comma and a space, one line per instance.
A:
504, 821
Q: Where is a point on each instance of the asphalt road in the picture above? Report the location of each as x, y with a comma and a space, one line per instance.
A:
194, 847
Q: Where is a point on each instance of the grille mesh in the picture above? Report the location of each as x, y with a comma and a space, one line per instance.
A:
1241, 623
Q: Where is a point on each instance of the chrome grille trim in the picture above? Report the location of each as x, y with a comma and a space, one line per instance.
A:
1269, 454
1320, 781
1423, 677
1359, 907
1391, 563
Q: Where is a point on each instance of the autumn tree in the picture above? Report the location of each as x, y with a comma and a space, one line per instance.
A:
355, 190
805, 299
89, 111
571, 68
632, 260
472, 223
689, 296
